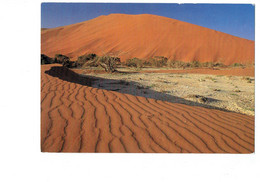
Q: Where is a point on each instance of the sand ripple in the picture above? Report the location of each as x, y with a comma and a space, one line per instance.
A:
78, 118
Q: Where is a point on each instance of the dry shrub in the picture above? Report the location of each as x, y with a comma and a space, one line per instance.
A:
86, 60
64, 60
176, 64
46, 60
208, 64
237, 65
158, 61
60, 58
195, 64
134, 62
108, 63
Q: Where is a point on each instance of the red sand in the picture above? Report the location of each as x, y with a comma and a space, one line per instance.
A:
145, 36
78, 118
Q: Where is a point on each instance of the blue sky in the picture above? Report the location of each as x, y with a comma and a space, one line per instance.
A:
234, 19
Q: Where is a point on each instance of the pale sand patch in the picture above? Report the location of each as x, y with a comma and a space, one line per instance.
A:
232, 93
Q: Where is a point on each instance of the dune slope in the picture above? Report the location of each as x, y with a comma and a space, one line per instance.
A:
79, 118
145, 36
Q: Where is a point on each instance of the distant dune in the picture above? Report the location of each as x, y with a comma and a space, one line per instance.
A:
78, 118
145, 36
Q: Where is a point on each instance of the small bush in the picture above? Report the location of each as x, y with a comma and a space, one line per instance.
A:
158, 61
237, 65
65, 61
46, 60
246, 78
176, 64
90, 63
135, 62
207, 64
108, 63
218, 64
82, 60
147, 63
62, 59
195, 64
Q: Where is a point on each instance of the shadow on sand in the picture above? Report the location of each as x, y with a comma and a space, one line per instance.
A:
122, 86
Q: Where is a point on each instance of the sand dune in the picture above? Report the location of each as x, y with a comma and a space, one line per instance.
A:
78, 118
145, 36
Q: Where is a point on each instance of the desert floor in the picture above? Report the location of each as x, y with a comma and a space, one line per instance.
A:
121, 113
225, 92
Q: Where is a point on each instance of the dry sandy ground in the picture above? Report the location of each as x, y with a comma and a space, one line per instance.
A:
76, 117
248, 71
232, 93
145, 36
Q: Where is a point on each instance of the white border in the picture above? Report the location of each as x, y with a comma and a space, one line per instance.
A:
20, 156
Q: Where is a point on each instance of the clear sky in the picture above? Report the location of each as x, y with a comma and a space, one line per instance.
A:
234, 19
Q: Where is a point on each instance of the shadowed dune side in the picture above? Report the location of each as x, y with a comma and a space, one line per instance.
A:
78, 118
145, 36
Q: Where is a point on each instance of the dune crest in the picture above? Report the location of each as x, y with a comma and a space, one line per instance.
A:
145, 36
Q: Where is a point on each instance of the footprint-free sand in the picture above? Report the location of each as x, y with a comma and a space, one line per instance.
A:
76, 117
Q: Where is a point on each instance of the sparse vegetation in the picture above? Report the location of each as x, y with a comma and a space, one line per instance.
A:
176, 64
86, 60
46, 60
60, 58
134, 62
108, 63
237, 65
158, 61
217, 90
210, 78
200, 98
248, 79
195, 64
208, 64
237, 90
245, 78
251, 109
64, 60
218, 64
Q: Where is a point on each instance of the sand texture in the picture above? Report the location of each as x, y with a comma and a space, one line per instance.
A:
76, 117
249, 71
228, 93
145, 36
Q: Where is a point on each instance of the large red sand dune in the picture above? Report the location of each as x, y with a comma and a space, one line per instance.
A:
79, 118
145, 36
